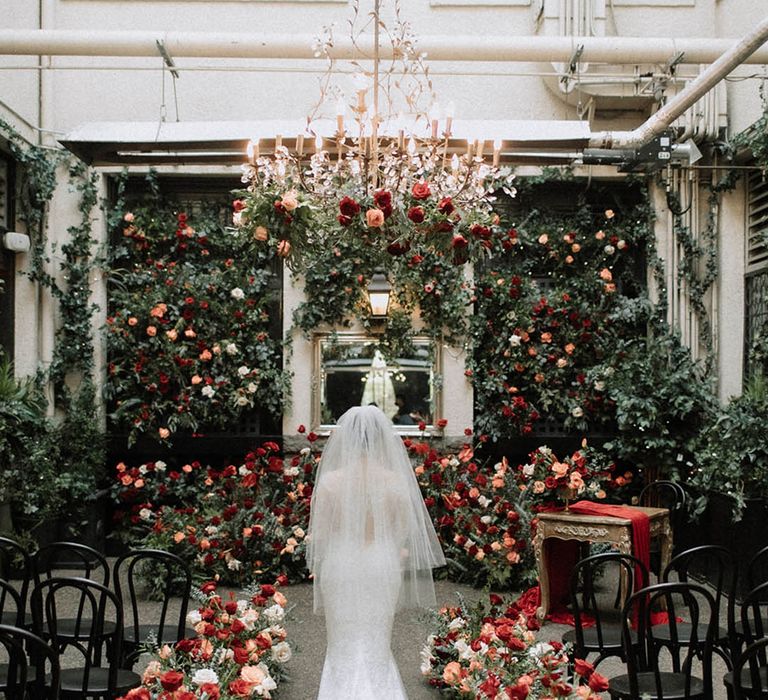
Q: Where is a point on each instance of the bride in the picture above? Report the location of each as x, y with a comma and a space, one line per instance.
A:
372, 548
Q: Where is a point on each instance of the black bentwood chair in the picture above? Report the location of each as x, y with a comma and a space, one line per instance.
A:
750, 673
752, 628
165, 627
587, 601
32, 670
15, 565
645, 677
94, 639
719, 565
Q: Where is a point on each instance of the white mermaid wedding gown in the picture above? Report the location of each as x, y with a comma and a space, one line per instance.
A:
360, 592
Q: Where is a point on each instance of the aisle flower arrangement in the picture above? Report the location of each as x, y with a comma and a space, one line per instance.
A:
239, 651
188, 330
473, 506
237, 524
490, 652
587, 474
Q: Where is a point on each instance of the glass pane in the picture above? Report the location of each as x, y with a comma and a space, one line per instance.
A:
353, 372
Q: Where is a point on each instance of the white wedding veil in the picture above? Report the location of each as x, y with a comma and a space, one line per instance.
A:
367, 499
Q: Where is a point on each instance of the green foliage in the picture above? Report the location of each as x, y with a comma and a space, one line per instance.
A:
733, 449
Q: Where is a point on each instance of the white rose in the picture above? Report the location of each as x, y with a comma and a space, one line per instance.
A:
205, 675
281, 652
274, 614
160, 466
266, 685
243, 470
515, 340
305, 451
599, 385
237, 218
251, 388
243, 371
609, 250
484, 503
249, 618
486, 520
145, 513
143, 469
231, 349
291, 471
242, 401
577, 412
234, 564
193, 617
621, 244
540, 649
208, 391
298, 532
528, 470
211, 530
237, 293
457, 623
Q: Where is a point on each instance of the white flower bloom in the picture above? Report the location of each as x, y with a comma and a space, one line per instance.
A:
577, 412
609, 250
298, 532
237, 293
274, 614
291, 471
465, 651
242, 605
160, 465
231, 349
599, 385
457, 623
143, 469
281, 652
426, 660
211, 530
621, 244
609, 371
454, 461
251, 388
484, 503
249, 618
208, 391
205, 675
243, 470
515, 340
242, 401
305, 450
145, 513
234, 564
243, 371
486, 520
193, 617
540, 649
528, 469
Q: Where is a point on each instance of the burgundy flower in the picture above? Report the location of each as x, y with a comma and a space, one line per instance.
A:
349, 207
445, 206
416, 214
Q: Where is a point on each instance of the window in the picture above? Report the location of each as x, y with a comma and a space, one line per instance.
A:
756, 282
351, 371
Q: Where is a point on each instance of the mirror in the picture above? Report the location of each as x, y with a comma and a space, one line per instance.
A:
351, 371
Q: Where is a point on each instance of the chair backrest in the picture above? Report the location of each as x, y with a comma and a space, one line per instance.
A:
753, 658
85, 561
14, 558
584, 576
12, 607
663, 494
684, 644
754, 614
25, 650
717, 563
98, 627
129, 570
757, 569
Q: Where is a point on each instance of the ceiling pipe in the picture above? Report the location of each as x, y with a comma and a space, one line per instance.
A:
738, 53
545, 49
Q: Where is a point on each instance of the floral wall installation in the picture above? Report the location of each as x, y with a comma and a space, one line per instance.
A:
188, 331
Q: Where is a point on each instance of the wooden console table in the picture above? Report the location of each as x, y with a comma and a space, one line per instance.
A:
594, 528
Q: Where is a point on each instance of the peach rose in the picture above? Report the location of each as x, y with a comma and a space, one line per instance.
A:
560, 469
576, 482
609, 214
178, 537
290, 201
280, 599
261, 234
164, 433
610, 288
252, 674
374, 218
189, 333
569, 348
151, 331
569, 259
606, 275
538, 487
576, 247
543, 239
546, 337
284, 248
172, 334
151, 672
132, 321
452, 673
600, 235
196, 379
205, 355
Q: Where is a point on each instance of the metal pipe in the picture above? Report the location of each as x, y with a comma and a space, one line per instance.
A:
615, 50
743, 50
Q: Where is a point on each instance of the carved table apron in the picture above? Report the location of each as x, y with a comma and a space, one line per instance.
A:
595, 528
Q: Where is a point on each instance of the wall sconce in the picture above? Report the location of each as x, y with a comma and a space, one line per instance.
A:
378, 295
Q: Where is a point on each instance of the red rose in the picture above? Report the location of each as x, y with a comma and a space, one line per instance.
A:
312, 437
240, 688
237, 627
212, 691
208, 587
416, 214
344, 220
445, 206
241, 655
442, 423
349, 207
598, 683
482, 232
267, 590
238, 205
459, 241
397, 249
583, 668
383, 199
171, 680
422, 426
301, 429
421, 190
137, 694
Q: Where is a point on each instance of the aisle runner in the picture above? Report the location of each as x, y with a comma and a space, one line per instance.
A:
562, 556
